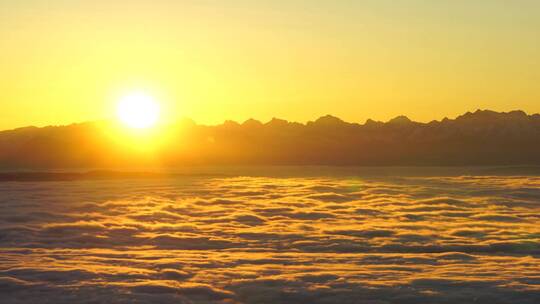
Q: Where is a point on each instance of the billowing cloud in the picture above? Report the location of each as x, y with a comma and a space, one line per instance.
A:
272, 240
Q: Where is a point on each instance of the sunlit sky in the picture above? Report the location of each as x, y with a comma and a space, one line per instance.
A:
67, 61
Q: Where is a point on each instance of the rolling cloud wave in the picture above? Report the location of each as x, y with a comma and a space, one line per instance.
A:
272, 240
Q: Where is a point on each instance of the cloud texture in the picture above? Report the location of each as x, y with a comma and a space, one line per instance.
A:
272, 240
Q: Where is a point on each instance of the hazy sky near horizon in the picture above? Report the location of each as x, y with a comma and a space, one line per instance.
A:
211, 60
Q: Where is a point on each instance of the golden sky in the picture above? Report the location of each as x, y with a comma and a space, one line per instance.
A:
67, 61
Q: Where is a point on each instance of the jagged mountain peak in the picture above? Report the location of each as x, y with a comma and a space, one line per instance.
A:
252, 123
401, 119
328, 120
373, 123
277, 122
489, 115
230, 123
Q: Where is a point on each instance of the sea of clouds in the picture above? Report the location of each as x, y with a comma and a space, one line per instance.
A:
272, 240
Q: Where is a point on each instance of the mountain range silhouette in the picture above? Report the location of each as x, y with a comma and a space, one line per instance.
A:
476, 138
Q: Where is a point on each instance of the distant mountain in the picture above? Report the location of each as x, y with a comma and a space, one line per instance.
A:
480, 138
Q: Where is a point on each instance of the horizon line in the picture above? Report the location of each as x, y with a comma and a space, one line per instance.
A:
226, 121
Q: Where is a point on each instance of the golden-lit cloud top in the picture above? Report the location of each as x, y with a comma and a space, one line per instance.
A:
272, 240
67, 61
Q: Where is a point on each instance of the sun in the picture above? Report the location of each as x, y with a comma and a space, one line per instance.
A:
138, 111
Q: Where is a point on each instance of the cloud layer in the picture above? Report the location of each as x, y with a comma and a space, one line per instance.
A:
272, 240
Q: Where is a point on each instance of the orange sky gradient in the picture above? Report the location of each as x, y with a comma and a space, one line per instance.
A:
71, 61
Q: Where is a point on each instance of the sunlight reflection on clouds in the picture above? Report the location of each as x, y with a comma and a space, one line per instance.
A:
272, 240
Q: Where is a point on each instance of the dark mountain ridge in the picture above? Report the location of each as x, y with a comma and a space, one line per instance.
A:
475, 138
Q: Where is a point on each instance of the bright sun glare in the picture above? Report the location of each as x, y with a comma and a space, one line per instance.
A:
138, 111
